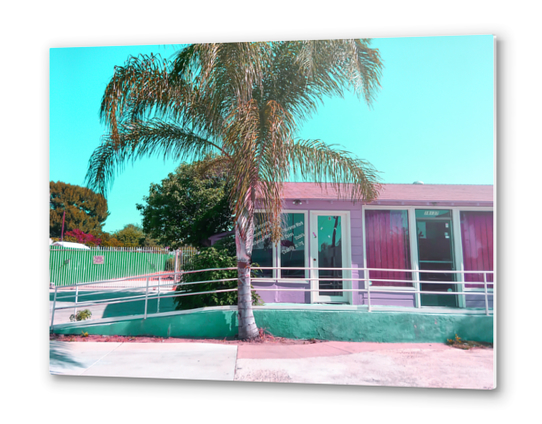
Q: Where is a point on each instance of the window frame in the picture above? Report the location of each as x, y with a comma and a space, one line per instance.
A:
276, 275
414, 263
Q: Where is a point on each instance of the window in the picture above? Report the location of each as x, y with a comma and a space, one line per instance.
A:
387, 246
262, 249
293, 245
291, 252
477, 244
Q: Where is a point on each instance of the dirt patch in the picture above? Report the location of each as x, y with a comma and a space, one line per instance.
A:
262, 339
459, 343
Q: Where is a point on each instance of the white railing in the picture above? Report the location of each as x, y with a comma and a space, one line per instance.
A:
369, 288
157, 286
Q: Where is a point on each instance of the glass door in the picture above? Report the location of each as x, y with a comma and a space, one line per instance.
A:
329, 249
435, 253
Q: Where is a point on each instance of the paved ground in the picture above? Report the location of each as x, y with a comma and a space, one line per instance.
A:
343, 363
65, 298
191, 361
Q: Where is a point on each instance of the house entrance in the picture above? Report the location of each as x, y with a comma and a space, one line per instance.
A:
330, 248
435, 252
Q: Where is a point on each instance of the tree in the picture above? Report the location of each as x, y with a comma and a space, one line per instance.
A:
244, 102
130, 236
85, 210
107, 240
188, 206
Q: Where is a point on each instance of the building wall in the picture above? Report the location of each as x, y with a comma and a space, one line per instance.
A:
356, 240
381, 297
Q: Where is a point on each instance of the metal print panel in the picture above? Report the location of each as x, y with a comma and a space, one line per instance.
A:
310, 211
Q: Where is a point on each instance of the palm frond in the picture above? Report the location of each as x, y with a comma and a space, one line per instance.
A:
350, 177
243, 101
303, 73
143, 139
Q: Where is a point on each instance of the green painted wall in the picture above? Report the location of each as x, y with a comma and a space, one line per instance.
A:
358, 326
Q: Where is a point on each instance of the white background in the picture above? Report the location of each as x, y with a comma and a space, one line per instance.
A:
28, 31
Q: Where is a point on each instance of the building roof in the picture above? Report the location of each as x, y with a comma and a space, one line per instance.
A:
402, 193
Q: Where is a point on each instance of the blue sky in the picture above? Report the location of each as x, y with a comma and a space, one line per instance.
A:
432, 120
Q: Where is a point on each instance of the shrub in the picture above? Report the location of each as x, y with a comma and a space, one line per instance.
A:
81, 315
206, 259
227, 243
83, 238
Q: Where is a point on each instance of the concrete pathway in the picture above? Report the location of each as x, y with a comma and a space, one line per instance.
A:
191, 361
428, 365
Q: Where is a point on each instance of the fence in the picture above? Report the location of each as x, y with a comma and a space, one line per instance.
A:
72, 266
160, 287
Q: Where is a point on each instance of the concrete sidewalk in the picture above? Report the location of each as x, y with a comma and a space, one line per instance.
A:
191, 361
429, 365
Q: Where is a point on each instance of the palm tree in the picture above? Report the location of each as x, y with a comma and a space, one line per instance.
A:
244, 102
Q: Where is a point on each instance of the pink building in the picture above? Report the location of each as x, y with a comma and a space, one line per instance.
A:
416, 246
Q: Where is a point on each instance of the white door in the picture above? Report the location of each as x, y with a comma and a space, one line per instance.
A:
330, 249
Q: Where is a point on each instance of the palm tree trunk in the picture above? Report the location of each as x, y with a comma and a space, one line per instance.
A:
244, 242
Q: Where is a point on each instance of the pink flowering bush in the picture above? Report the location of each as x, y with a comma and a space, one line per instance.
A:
81, 237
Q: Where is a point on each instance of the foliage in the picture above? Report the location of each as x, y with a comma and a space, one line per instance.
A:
85, 210
210, 258
188, 206
80, 237
130, 236
459, 343
107, 239
227, 243
81, 315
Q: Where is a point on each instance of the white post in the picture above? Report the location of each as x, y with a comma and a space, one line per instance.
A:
158, 300
485, 294
146, 298
175, 265
368, 294
76, 297
54, 306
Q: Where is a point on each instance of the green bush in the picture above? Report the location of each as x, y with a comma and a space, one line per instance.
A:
227, 243
81, 315
206, 259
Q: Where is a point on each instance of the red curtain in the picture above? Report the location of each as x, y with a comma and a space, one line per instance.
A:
388, 246
477, 243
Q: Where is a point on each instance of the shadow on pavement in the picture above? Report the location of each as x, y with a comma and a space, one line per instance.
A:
59, 357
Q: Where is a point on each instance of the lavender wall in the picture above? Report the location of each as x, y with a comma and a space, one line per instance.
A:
356, 239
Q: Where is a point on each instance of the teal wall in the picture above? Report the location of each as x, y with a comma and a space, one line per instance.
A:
357, 326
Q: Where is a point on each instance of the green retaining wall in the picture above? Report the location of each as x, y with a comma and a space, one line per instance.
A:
71, 266
357, 326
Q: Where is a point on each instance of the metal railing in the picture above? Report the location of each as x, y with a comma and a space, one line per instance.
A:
369, 286
158, 286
